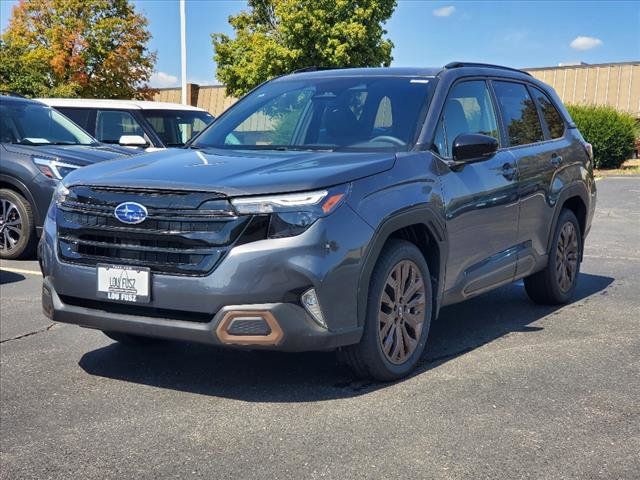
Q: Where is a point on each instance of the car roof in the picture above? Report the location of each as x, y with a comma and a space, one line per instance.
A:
122, 104
17, 100
312, 72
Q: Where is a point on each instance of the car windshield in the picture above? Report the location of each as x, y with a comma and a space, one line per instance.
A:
35, 124
329, 113
177, 127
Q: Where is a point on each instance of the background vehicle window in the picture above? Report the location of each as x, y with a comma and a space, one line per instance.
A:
551, 116
79, 116
112, 124
176, 127
519, 113
468, 109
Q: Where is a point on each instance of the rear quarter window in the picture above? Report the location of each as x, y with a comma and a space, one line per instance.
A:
550, 114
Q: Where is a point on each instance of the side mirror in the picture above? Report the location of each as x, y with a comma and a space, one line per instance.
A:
132, 141
470, 147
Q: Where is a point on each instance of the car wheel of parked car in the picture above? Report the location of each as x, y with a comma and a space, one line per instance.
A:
398, 317
131, 340
17, 232
557, 282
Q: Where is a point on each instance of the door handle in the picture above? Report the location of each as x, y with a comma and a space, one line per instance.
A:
509, 171
556, 160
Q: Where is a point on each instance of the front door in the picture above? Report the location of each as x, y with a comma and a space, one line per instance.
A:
480, 199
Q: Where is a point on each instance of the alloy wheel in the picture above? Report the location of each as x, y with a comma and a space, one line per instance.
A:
10, 225
402, 311
567, 257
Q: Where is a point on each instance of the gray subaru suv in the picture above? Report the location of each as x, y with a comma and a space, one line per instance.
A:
329, 210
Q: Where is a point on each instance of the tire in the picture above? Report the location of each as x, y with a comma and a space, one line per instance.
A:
369, 359
17, 228
131, 340
549, 286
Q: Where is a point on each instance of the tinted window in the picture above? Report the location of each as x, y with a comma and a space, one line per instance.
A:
551, 116
468, 109
329, 113
176, 127
112, 124
519, 113
78, 115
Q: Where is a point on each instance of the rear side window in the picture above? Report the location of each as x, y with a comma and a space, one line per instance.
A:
519, 113
79, 116
112, 124
551, 116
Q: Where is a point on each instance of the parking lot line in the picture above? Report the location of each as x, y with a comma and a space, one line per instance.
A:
20, 270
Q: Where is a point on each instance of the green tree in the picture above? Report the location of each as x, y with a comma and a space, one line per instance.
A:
275, 37
84, 48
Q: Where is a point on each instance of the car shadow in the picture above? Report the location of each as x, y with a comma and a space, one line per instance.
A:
260, 376
7, 277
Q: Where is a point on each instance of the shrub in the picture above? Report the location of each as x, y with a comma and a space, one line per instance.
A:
612, 133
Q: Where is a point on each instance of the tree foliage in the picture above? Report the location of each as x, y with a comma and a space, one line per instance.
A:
84, 48
610, 132
275, 37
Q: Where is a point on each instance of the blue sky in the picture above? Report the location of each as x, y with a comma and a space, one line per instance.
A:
518, 34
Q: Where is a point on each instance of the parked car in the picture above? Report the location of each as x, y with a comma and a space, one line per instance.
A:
38, 147
134, 123
335, 209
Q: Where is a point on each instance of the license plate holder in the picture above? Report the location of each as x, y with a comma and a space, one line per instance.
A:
123, 283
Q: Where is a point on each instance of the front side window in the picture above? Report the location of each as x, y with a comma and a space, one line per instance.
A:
551, 116
112, 124
327, 113
80, 116
36, 124
468, 109
177, 127
519, 113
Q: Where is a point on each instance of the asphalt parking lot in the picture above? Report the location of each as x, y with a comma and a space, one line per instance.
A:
507, 390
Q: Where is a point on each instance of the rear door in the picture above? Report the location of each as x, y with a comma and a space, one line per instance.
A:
481, 199
538, 149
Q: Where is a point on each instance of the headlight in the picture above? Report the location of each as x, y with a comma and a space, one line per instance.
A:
60, 195
292, 213
53, 168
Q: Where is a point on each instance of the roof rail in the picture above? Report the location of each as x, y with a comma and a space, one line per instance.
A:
482, 65
9, 93
312, 69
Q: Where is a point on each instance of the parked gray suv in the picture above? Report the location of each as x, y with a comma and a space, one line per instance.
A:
38, 147
333, 209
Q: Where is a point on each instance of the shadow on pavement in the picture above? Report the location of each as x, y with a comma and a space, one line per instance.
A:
10, 277
301, 377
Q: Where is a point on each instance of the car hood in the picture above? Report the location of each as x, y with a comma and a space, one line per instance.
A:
76, 154
234, 172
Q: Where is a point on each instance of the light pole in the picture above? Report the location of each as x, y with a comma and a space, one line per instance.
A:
183, 52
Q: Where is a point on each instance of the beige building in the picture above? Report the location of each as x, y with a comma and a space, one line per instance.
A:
614, 84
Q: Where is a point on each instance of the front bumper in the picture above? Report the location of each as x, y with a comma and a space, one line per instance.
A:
266, 275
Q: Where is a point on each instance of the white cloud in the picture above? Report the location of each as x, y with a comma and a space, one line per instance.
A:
444, 11
163, 80
585, 43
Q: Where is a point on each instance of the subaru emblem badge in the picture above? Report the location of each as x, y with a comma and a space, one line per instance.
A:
130, 212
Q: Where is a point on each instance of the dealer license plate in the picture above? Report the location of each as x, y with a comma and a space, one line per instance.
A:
123, 283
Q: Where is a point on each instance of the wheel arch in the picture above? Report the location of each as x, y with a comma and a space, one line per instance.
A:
419, 225
17, 186
574, 198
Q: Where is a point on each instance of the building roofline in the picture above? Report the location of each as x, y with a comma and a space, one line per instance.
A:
585, 65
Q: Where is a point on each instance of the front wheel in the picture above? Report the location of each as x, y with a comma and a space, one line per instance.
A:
17, 230
398, 317
556, 284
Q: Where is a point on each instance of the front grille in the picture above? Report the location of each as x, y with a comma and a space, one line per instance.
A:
184, 233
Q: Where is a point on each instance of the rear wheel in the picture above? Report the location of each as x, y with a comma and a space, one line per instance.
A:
556, 284
398, 315
17, 230
131, 340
